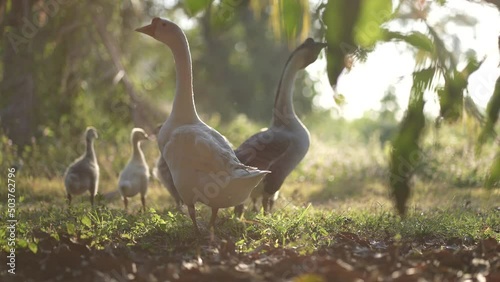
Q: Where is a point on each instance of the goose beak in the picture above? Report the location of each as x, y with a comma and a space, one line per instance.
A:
148, 29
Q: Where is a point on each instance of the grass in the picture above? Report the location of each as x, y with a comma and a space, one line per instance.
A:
339, 188
301, 223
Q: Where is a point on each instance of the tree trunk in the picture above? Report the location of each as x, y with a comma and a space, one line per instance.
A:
18, 83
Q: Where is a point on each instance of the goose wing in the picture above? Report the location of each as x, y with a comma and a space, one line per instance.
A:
82, 167
162, 172
262, 149
201, 148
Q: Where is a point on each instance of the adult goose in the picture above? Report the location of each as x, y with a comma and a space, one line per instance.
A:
83, 174
135, 176
282, 146
202, 165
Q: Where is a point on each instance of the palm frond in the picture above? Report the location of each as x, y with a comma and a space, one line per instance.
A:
492, 111
290, 19
406, 155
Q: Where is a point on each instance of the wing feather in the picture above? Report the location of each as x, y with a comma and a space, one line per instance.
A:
201, 148
263, 149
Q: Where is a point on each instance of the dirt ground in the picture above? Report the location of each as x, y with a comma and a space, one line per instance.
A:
348, 258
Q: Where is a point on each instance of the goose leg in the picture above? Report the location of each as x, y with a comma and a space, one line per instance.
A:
254, 202
125, 202
271, 203
213, 217
265, 201
192, 214
143, 201
93, 190
69, 199
212, 224
238, 210
178, 205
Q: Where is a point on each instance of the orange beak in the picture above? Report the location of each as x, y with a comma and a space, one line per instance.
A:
148, 29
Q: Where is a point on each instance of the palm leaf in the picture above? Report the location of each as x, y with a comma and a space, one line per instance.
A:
492, 110
288, 19
493, 177
372, 15
416, 39
406, 153
472, 109
193, 7
353, 26
340, 17
451, 96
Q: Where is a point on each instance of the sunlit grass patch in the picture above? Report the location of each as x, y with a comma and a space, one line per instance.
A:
304, 227
339, 188
311, 228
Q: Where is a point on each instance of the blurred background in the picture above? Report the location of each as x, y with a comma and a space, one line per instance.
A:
398, 78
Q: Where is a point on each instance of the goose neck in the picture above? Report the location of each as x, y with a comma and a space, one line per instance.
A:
183, 106
137, 152
284, 112
89, 150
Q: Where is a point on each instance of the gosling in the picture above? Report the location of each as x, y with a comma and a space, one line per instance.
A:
83, 174
135, 176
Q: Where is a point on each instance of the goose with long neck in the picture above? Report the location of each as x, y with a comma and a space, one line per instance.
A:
200, 161
282, 146
83, 174
135, 176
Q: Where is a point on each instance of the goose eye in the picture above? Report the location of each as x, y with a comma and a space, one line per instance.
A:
164, 24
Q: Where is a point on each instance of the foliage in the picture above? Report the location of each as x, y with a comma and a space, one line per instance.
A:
106, 238
352, 25
406, 154
306, 227
414, 38
492, 111
488, 131
90, 68
343, 177
237, 48
290, 18
8, 157
193, 7
347, 22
